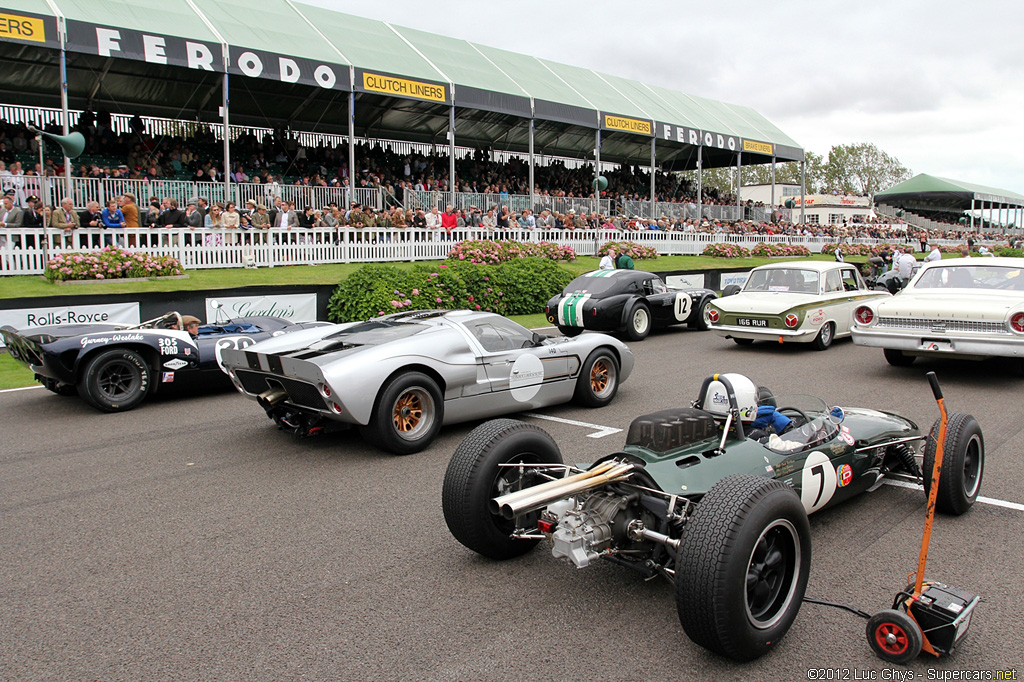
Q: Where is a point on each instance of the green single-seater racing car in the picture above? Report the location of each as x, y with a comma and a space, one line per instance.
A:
713, 497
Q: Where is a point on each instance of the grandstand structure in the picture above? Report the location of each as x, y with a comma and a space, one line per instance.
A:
280, 64
936, 203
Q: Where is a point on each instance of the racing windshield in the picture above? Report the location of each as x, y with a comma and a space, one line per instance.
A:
812, 423
979, 276
791, 280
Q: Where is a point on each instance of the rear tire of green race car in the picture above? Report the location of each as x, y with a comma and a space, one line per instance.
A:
963, 463
742, 569
570, 331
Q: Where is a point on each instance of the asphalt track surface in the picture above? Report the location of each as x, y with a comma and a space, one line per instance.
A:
190, 540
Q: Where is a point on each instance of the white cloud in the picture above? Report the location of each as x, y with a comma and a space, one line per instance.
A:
935, 84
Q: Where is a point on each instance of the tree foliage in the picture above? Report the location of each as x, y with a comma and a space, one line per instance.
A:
860, 168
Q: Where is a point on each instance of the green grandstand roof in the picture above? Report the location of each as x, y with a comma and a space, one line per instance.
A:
279, 48
930, 192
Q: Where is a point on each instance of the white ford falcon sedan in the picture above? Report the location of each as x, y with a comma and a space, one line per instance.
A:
972, 308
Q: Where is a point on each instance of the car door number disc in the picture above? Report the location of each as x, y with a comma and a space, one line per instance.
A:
682, 306
818, 482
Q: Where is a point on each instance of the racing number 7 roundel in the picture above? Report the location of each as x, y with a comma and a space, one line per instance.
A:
817, 482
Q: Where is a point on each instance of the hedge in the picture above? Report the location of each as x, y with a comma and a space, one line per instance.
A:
518, 287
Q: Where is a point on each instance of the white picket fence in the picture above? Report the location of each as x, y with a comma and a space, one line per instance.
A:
25, 251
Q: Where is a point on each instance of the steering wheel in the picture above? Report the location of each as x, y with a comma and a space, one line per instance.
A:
800, 413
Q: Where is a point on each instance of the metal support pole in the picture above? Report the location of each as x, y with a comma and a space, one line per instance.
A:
700, 182
972, 215
597, 156
739, 184
654, 199
64, 106
772, 204
352, 148
453, 185
43, 185
533, 205
227, 142
803, 185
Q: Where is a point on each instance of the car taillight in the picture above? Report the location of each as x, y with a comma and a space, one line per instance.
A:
864, 315
326, 390
792, 320
712, 315
546, 526
1017, 323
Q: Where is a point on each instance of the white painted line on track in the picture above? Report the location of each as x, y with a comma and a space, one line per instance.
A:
984, 500
23, 388
601, 432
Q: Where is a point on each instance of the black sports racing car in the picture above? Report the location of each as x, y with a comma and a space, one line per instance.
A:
114, 367
630, 301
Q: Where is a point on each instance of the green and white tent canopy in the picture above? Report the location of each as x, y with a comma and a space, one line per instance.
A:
929, 193
294, 64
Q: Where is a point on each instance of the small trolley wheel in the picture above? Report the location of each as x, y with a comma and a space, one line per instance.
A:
894, 636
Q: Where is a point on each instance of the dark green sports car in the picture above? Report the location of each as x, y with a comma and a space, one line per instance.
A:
713, 497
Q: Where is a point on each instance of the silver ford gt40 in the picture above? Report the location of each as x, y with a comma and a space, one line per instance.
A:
400, 377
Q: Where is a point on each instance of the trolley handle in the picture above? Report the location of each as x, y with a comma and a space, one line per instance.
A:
934, 381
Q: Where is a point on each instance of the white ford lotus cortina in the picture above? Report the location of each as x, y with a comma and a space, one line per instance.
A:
795, 301
969, 307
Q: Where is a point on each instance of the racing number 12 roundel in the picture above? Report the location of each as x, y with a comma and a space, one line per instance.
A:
681, 308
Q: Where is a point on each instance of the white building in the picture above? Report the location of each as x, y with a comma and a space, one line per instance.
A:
819, 209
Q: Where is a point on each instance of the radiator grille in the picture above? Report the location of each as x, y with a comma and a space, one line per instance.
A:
932, 324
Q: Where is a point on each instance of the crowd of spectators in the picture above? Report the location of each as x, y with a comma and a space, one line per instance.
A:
278, 158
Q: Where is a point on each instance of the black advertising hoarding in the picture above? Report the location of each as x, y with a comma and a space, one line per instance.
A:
206, 55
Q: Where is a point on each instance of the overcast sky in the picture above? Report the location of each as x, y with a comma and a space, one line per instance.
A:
939, 85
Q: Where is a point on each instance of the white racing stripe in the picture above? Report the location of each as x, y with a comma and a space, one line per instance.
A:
984, 500
23, 388
601, 432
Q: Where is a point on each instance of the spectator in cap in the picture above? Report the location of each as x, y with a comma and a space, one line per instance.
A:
260, 220
193, 217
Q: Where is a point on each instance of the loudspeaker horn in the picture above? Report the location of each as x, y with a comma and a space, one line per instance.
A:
73, 145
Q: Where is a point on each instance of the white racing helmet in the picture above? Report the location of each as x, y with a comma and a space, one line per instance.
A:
716, 396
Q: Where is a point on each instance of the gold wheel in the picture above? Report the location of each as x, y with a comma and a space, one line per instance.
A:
599, 376
408, 412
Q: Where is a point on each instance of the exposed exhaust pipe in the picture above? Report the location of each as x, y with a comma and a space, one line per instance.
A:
271, 397
525, 501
